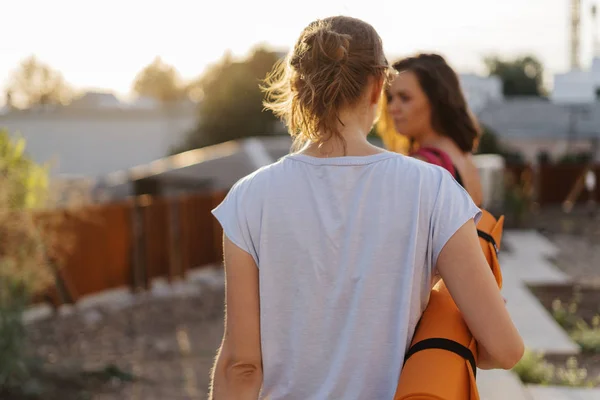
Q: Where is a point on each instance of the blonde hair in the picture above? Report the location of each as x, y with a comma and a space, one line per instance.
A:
328, 68
392, 140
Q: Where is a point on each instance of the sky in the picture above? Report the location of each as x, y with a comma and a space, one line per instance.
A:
102, 45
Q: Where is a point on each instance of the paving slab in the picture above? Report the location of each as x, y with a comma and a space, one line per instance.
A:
562, 393
526, 265
532, 269
539, 329
499, 384
529, 241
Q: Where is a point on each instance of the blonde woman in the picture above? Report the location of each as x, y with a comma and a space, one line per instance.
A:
330, 252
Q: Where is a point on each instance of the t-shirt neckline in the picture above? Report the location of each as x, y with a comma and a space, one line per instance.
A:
344, 160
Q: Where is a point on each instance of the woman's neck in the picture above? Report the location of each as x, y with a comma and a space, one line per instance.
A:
434, 139
351, 141
346, 145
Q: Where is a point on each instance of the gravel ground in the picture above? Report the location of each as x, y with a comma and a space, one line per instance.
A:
168, 344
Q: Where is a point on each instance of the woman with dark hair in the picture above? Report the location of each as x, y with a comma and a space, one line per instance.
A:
426, 104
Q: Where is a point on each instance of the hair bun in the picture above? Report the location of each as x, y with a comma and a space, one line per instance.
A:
336, 46
330, 45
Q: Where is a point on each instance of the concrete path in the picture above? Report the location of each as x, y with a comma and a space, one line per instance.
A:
528, 264
532, 269
529, 258
561, 393
530, 241
537, 326
500, 385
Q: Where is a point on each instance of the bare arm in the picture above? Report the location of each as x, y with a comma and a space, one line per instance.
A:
465, 271
485, 359
237, 373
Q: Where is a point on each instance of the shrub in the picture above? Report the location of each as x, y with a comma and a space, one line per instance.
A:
533, 369
24, 247
572, 375
565, 314
588, 336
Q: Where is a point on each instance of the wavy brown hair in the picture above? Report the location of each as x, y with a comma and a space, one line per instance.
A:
328, 69
450, 113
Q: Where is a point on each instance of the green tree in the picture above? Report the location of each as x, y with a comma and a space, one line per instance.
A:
36, 83
24, 268
160, 81
231, 106
25, 182
522, 76
488, 142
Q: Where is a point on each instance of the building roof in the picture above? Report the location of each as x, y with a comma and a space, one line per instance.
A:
96, 99
536, 118
217, 167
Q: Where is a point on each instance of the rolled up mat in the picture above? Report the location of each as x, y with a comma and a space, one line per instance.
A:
441, 361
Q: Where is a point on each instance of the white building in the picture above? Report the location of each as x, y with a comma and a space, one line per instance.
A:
532, 125
578, 86
480, 90
97, 134
569, 122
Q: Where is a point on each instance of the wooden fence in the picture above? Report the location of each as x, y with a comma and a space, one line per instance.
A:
553, 183
130, 243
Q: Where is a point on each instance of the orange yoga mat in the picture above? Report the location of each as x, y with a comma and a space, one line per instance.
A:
441, 362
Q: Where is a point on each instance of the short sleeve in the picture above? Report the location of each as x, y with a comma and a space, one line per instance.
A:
453, 207
232, 214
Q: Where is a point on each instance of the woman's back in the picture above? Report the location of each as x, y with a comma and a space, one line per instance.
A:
470, 176
346, 249
330, 253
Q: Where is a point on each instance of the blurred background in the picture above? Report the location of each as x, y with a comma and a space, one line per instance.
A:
122, 124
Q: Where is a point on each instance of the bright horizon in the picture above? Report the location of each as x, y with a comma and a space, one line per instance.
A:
103, 47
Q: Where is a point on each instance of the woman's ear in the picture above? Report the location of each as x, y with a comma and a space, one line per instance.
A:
376, 90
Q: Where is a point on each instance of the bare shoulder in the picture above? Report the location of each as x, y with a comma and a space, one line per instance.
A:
473, 180
470, 176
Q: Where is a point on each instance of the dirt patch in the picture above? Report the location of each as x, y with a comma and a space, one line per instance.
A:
586, 297
50, 382
167, 344
589, 362
570, 304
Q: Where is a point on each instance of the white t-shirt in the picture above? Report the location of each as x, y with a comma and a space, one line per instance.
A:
346, 249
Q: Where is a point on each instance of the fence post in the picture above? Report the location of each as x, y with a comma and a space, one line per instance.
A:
217, 257
139, 278
174, 237
184, 214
